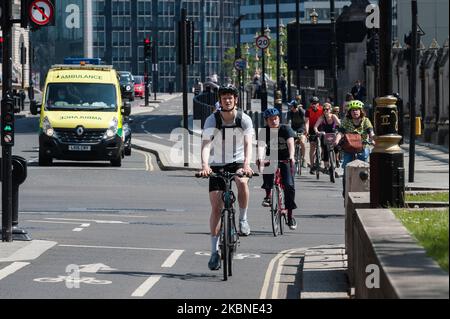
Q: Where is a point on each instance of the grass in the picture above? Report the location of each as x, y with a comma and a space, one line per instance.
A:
427, 197
430, 228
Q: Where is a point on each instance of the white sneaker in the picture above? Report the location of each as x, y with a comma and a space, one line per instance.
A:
244, 228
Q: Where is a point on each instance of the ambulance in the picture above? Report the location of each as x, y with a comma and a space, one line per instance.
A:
81, 113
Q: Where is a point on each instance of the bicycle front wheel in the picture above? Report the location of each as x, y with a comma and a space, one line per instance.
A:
274, 211
332, 166
225, 249
298, 161
318, 158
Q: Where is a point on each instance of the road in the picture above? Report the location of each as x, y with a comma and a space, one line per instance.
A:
139, 232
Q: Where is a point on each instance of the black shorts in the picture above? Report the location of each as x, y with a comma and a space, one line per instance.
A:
217, 183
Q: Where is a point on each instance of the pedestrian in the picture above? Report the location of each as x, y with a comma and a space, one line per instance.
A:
198, 87
358, 91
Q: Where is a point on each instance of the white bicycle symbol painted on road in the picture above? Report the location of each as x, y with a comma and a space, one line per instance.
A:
85, 280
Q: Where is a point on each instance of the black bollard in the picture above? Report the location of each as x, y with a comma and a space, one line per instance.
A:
387, 181
19, 174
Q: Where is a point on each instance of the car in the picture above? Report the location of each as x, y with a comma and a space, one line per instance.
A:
126, 84
139, 86
127, 135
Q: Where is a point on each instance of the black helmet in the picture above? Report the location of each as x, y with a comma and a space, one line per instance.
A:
293, 103
228, 88
314, 99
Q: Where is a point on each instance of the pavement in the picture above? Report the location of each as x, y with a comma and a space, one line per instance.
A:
324, 267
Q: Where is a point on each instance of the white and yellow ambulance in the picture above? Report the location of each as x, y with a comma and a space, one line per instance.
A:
81, 114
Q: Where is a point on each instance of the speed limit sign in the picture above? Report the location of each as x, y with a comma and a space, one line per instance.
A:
262, 42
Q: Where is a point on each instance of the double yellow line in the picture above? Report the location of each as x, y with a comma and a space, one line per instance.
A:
148, 160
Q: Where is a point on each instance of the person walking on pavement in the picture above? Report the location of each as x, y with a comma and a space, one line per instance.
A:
284, 139
358, 91
219, 131
313, 113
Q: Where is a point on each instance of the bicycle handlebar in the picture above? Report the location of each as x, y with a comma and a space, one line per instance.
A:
226, 175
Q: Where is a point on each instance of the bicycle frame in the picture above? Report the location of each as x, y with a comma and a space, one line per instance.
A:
277, 209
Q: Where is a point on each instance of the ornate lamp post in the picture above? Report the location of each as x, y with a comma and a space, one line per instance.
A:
267, 51
314, 16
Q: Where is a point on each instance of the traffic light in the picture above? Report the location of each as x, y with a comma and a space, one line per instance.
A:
147, 48
1, 49
7, 122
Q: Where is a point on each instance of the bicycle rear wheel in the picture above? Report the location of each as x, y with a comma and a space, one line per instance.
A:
225, 249
274, 211
332, 165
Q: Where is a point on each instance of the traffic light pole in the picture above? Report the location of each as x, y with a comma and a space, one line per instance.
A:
412, 92
5, 109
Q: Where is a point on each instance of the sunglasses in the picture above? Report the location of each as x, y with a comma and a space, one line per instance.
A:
325, 110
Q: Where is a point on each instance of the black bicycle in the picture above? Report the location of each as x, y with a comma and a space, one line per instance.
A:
298, 155
318, 156
229, 237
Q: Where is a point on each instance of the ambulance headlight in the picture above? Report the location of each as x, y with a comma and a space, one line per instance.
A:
112, 129
47, 127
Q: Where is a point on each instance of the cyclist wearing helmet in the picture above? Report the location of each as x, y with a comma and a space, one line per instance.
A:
284, 142
226, 129
313, 113
356, 121
296, 118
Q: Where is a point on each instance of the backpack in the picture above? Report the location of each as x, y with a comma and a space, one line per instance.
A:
237, 120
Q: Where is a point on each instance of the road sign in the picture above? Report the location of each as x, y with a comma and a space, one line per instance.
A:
41, 12
262, 42
240, 64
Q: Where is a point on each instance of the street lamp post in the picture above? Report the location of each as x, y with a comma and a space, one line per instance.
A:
263, 81
334, 66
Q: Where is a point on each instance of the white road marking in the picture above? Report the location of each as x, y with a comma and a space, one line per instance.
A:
8, 270
91, 220
31, 251
157, 136
146, 286
116, 247
77, 229
172, 259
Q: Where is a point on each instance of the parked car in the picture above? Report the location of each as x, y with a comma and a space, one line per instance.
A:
139, 86
126, 84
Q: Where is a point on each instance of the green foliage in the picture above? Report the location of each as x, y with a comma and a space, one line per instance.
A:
430, 228
428, 197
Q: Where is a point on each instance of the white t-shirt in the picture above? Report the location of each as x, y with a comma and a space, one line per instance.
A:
227, 144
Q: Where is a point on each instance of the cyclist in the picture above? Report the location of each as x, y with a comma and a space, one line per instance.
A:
286, 150
296, 118
313, 113
215, 138
356, 121
327, 123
